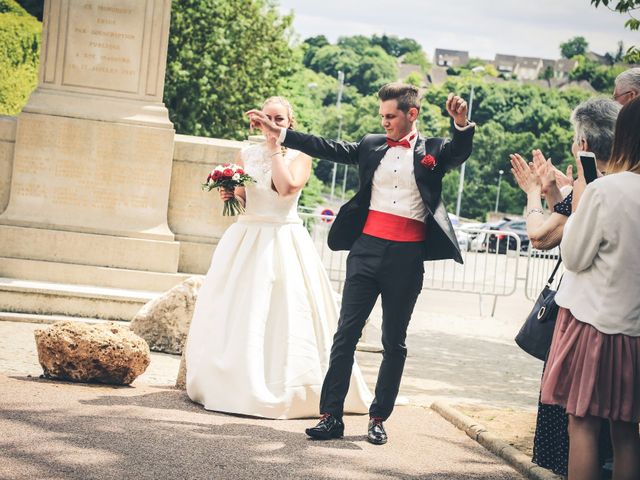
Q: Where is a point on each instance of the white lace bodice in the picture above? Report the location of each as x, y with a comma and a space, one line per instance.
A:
262, 200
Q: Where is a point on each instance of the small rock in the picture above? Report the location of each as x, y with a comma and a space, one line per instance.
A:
164, 322
103, 353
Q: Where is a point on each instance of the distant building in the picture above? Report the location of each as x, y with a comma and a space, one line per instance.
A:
596, 57
438, 75
406, 69
505, 63
450, 58
531, 68
563, 68
528, 68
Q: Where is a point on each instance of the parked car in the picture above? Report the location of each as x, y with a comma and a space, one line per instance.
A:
501, 242
460, 235
474, 240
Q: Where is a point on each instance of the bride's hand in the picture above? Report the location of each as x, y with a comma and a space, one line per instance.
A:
225, 194
257, 119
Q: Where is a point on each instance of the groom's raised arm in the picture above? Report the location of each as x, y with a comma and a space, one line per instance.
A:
335, 151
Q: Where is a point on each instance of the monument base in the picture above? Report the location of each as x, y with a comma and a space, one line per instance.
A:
89, 249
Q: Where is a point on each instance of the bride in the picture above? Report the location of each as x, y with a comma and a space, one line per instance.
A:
262, 328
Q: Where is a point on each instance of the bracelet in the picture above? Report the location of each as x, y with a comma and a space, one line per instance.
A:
274, 154
533, 210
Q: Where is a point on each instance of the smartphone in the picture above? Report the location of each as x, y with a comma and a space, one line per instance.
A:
588, 161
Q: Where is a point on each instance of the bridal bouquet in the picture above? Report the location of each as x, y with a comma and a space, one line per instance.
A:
228, 176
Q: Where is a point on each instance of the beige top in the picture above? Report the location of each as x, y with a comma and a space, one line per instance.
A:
601, 253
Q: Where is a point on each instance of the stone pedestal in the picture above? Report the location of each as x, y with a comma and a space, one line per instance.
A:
94, 144
93, 150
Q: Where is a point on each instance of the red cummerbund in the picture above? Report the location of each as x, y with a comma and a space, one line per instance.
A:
393, 227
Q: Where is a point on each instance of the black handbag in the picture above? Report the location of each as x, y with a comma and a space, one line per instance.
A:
535, 335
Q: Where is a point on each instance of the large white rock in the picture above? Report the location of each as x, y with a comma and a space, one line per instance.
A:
164, 322
80, 352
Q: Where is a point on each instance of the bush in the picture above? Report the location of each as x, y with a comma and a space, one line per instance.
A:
19, 56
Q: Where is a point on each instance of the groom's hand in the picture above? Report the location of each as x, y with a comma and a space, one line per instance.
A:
258, 119
457, 109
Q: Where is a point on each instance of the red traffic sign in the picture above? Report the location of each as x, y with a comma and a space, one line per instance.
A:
327, 212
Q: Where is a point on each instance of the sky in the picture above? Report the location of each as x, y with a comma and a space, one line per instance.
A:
532, 28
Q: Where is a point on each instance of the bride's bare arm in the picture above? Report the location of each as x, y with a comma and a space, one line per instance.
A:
290, 180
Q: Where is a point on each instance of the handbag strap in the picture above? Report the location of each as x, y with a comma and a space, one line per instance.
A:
555, 270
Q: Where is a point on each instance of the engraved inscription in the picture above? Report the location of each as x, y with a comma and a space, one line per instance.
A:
100, 171
104, 44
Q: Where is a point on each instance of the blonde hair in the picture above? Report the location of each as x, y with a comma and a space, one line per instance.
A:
283, 101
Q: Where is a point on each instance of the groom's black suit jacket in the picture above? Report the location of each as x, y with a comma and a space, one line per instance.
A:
440, 240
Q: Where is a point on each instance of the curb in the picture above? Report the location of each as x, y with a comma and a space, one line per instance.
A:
514, 457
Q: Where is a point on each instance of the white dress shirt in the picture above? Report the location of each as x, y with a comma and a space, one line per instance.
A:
599, 248
394, 188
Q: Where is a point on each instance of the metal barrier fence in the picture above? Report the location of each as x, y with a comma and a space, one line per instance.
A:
540, 264
491, 261
335, 263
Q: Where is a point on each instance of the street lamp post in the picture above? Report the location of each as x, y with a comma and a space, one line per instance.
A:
477, 69
500, 173
338, 100
462, 168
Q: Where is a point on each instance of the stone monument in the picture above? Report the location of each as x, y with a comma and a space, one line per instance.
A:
93, 152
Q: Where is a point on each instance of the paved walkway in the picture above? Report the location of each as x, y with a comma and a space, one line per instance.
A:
57, 430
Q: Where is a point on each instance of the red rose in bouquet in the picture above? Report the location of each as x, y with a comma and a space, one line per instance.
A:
228, 176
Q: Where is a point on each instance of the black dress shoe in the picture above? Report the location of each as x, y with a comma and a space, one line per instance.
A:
376, 434
327, 428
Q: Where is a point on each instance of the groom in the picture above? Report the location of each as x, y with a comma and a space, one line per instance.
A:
391, 226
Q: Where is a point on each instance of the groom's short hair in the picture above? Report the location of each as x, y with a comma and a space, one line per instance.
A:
407, 96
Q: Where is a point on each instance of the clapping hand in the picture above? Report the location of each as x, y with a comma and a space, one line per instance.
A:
549, 174
525, 174
457, 109
545, 171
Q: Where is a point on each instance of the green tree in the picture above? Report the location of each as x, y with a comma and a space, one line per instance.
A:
366, 67
417, 58
331, 59
633, 23
547, 74
224, 57
375, 69
574, 46
358, 43
414, 78
311, 45
511, 118
601, 77
19, 56
396, 46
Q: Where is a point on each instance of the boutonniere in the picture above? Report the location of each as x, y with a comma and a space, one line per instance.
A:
429, 161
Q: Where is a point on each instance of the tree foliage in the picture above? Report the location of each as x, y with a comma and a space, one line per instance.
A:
628, 7
366, 66
224, 57
19, 56
511, 118
574, 46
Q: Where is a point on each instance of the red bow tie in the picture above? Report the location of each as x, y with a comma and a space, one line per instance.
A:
402, 143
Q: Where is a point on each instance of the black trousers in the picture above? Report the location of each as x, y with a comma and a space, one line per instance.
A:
375, 267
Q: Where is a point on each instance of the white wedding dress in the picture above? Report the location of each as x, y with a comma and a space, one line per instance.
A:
263, 324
